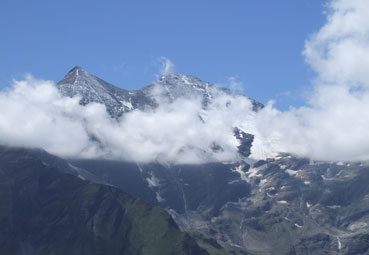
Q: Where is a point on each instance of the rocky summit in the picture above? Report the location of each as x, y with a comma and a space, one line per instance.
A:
90, 88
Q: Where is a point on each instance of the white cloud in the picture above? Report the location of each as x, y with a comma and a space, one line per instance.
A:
339, 51
166, 66
235, 85
37, 116
333, 125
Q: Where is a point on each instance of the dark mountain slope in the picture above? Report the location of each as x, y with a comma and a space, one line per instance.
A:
284, 205
46, 210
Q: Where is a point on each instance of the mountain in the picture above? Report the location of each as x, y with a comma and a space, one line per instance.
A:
118, 101
281, 205
93, 89
285, 205
48, 207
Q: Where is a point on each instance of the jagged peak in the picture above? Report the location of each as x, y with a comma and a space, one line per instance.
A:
178, 76
76, 68
77, 71
181, 80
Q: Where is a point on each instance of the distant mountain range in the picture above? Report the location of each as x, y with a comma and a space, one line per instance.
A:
280, 205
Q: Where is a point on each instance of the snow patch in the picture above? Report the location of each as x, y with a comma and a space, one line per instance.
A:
253, 172
127, 104
292, 172
234, 181
159, 198
153, 181
81, 177
339, 243
239, 169
334, 206
326, 178
282, 202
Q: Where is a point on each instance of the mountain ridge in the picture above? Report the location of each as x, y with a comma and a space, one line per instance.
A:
118, 100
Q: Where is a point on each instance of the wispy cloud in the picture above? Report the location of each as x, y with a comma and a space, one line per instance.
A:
166, 66
235, 85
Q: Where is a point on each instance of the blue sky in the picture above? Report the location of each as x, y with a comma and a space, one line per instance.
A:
257, 41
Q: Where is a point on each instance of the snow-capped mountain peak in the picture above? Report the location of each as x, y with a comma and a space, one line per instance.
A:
90, 88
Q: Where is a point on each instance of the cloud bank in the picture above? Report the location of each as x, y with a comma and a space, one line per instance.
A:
332, 126
175, 132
